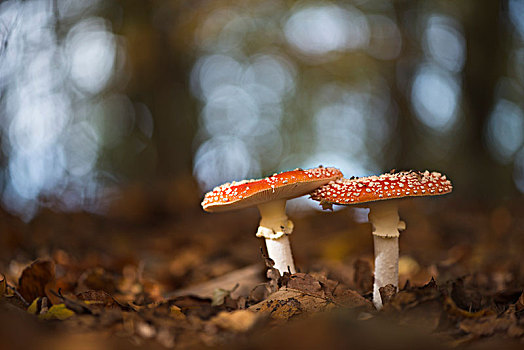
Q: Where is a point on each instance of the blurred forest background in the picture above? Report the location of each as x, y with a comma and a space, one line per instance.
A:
116, 116
96, 94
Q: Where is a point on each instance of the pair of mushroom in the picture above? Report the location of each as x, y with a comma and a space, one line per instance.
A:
270, 196
327, 186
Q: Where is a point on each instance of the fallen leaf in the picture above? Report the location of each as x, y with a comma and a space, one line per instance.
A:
363, 277
99, 298
58, 312
387, 293
305, 283
97, 279
519, 305
246, 278
351, 299
33, 308
71, 303
32, 284
287, 303
456, 312
274, 278
485, 326
259, 293
466, 299
515, 331
195, 306
236, 321
505, 297
413, 296
419, 307
3, 286
281, 309
220, 294
176, 313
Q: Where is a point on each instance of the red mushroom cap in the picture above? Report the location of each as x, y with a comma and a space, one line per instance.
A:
286, 185
386, 186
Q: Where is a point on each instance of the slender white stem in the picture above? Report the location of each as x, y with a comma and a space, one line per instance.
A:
386, 224
275, 227
280, 251
386, 265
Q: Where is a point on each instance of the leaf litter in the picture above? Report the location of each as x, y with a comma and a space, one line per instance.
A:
117, 283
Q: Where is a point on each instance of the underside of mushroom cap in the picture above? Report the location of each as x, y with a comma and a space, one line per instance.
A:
286, 185
386, 186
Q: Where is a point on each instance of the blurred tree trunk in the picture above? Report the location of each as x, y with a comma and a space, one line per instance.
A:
486, 61
469, 161
406, 132
160, 79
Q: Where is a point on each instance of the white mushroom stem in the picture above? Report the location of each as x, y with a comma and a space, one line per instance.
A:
275, 227
386, 225
280, 251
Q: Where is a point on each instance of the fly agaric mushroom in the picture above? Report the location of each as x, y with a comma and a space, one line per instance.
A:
270, 195
383, 215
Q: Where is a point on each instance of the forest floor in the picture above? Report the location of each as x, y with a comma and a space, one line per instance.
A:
158, 272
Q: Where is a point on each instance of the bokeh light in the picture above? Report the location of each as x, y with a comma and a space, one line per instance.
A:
94, 92
92, 51
55, 120
223, 159
505, 130
385, 39
444, 43
516, 15
435, 95
318, 30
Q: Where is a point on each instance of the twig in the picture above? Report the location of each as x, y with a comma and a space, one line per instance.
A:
79, 308
17, 294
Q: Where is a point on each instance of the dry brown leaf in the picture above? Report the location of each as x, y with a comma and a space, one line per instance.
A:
220, 295
281, 309
259, 293
236, 321
195, 306
515, 331
419, 307
3, 286
287, 303
465, 298
519, 305
363, 277
176, 313
351, 299
485, 326
456, 312
32, 284
246, 278
305, 283
99, 298
387, 293
97, 279
413, 296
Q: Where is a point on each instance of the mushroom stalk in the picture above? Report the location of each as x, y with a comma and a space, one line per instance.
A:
275, 227
386, 225
386, 265
280, 251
